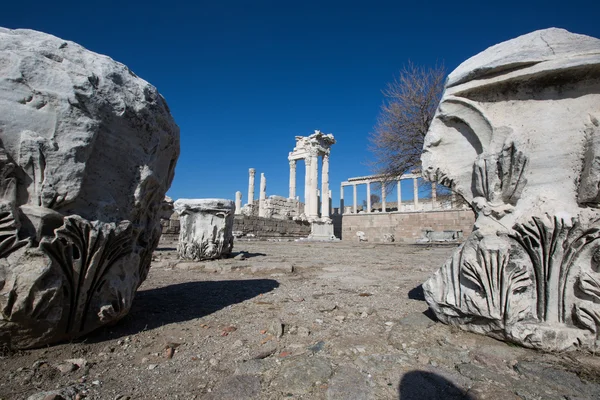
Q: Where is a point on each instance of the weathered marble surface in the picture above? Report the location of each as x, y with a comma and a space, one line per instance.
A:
87, 152
517, 134
206, 228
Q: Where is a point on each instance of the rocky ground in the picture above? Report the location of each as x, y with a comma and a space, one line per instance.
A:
293, 320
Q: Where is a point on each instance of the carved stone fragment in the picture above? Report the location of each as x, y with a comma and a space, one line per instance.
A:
516, 134
206, 228
87, 152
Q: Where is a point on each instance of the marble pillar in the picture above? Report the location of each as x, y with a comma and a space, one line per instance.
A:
355, 210
325, 196
433, 195
262, 210
238, 202
251, 172
341, 199
314, 181
369, 197
416, 193
399, 190
307, 163
383, 195
292, 179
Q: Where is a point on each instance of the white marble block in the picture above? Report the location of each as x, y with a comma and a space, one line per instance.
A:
206, 228
517, 134
321, 231
87, 152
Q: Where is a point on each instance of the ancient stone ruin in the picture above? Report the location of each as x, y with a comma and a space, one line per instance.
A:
517, 134
87, 152
206, 228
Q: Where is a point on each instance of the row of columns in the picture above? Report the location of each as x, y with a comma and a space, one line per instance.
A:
383, 195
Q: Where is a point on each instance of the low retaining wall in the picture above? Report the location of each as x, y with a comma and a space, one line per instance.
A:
407, 227
244, 225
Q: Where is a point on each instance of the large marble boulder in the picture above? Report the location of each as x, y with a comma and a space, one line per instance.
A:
517, 134
206, 228
87, 152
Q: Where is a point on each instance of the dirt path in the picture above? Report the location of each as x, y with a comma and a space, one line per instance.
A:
293, 320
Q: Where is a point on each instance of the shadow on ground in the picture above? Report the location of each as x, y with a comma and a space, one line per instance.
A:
419, 385
417, 293
153, 308
248, 255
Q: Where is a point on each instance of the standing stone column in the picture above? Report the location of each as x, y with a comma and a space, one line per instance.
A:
314, 181
292, 179
416, 193
354, 204
399, 195
433, 195
341, 199
262, 210
383, 195
238, 202
307, 162
325, 188
251, 172
368, 197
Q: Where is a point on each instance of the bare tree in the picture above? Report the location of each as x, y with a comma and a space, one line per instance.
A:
407, 111
374, 200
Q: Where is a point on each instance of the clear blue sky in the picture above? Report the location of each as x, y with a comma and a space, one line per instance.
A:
242, 78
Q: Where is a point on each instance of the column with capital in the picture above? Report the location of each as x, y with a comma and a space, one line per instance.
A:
325, 196
354, 204
292, 179
341, 199
383, 196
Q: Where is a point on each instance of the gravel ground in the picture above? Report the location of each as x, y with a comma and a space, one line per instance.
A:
293, 320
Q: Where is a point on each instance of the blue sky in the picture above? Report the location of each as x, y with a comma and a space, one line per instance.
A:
242, 78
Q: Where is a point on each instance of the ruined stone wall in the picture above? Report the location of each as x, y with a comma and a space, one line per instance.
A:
279, 207
268, 227
405, 227
171, 225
